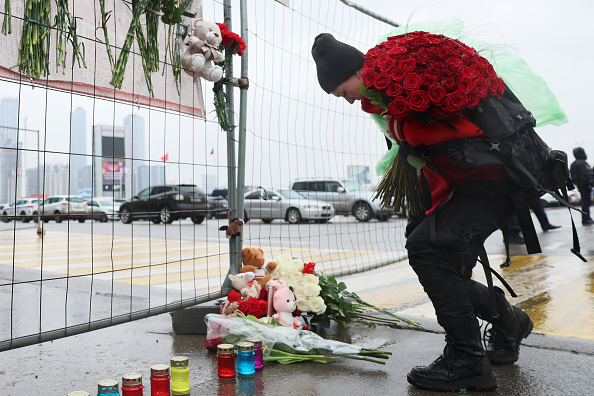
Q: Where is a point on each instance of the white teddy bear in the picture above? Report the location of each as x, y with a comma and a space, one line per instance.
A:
202, 51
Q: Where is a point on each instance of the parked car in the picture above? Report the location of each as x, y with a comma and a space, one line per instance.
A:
103, 209
348, 197
25, 209
217, 207
166, 203
574, 198
64, 207
291, 206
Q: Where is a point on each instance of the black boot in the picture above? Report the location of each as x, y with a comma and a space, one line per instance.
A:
503, 346
463, 365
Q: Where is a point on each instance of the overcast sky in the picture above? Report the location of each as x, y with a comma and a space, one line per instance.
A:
554, 37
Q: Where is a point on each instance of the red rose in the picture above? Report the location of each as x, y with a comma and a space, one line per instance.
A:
397, 74
382, 80
385, 63
473, 100
500, 88
396, 51
480, 88
368, 79
428, 79
448, 83
394, 90
368, 107
437, 94
467, 72
493, 84
456, 62
408, 64
454, 102
418, 101
309, 268
369, 65
399, 108
411, 82
465, 84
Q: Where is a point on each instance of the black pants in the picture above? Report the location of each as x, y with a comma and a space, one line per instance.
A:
586, 192
443, 251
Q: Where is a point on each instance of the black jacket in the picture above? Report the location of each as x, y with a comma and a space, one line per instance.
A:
580, 170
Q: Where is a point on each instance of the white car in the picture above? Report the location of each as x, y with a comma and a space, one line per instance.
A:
64, 207
574, 198
103, 209
291, 206
25, 209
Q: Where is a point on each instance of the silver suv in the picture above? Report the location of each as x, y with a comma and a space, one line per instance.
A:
348, 197
64, 207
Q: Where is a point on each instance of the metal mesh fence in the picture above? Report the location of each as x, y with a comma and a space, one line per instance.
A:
87, 148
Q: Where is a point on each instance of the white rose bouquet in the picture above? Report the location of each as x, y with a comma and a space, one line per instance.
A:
322, 299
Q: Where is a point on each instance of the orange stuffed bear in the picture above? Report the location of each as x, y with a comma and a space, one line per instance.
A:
253, 261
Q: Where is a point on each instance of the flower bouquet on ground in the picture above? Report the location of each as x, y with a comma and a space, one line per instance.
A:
426, 78
322, 299
283, 344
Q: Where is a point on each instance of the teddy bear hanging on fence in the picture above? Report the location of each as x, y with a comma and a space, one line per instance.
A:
203, 50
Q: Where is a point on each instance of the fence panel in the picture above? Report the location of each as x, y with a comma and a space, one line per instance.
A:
72, 135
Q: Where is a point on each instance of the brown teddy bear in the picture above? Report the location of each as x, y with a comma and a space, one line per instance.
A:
253, 261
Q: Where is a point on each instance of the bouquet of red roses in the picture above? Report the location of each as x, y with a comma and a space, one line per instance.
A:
423, 73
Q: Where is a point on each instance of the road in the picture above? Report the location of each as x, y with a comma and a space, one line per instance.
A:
81, 272
84, 272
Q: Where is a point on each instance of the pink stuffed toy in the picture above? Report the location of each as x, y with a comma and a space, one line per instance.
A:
282, 301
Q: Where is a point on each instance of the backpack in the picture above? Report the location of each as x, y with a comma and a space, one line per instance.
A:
511, 141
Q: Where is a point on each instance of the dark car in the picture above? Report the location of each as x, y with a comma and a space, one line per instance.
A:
217, 207
166, 203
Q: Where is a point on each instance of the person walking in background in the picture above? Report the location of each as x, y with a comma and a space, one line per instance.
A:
582, 176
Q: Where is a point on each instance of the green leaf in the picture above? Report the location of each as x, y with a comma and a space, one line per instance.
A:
342, 286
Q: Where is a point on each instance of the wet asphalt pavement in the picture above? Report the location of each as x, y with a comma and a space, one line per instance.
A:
557, 359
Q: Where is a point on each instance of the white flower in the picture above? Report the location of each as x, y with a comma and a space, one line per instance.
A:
296, 264
310, 278
275, 274
284, 269
299, 293
311, 290
317, 305
283, 258
303, 305
296, 276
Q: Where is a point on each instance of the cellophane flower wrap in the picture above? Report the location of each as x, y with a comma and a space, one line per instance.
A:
421, 73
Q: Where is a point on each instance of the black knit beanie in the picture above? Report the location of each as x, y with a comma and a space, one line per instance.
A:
335, 61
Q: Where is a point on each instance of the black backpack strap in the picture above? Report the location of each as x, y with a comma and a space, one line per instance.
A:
484, 260
526, 224
508, 260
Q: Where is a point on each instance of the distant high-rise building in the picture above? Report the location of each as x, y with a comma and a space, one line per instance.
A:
78, 148
10, 169
136, 152
209, 182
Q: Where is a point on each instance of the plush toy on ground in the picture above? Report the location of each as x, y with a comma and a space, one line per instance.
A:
202, 50
281, 304
233, 229
244, 284
253, 261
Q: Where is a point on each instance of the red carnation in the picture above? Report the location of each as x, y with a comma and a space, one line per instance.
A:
399, 108
309, 268
233, 296
418, 101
